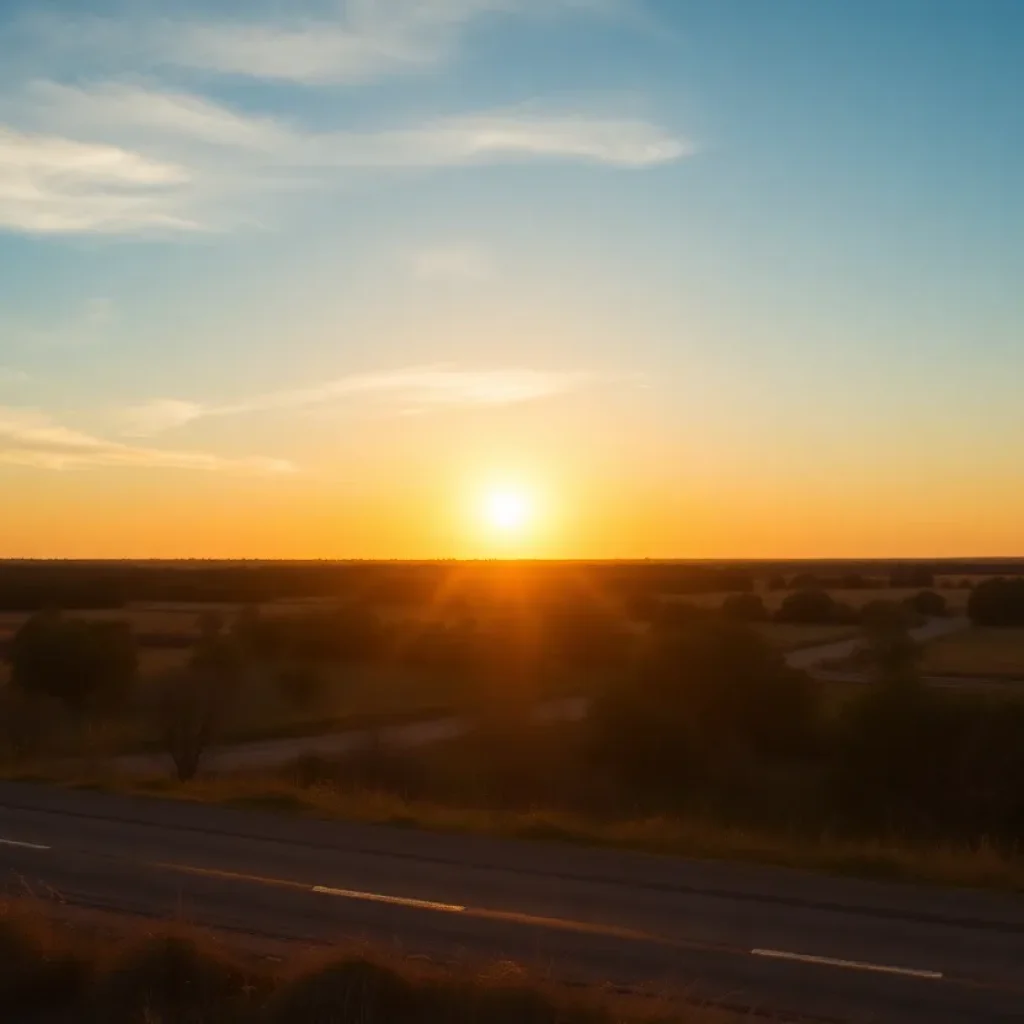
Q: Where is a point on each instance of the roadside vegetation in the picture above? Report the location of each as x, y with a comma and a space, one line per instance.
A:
700, 739
53, 972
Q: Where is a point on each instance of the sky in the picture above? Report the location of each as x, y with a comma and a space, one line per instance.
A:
684, 278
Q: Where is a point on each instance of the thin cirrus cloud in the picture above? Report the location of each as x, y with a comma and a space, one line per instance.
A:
134, 115
169, 161
417, 388
53, 184
29, 438
121, 152
351, 41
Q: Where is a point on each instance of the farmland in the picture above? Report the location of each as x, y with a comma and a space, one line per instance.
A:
977, 652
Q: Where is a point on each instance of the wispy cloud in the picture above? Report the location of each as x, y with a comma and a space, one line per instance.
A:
136, 116
419, 388
52, 184
359, 40
118, 151
30, 438
174, 161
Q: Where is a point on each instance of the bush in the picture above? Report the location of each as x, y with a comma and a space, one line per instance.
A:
29, 723
744, 608
929, 604
888, 643
172, 979
909, 760
83, 664
997, 602
190, 709
809, 607
301, 687
710, 692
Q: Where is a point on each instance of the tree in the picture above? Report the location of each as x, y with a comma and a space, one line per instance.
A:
189, 711
192, 705
997, 602
809, 607
84, 664
889, 646
929, 604
711, 691
912, 576
745, 608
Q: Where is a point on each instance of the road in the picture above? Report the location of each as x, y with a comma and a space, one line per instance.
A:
809, 658
828, 948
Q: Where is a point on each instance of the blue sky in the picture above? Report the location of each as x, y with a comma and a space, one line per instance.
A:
756, 263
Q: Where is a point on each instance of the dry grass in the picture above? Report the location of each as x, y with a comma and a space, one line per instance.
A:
100, 967
983, 865
977, 652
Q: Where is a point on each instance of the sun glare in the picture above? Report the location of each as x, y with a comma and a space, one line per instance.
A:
508, 511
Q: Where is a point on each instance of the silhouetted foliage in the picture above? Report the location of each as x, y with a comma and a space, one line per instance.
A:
809, 607
911, 760
928, 603
997, 602
889, 647
912, 576
745, 608
711, 691
345, 634
84, 664
301, 686
807, 581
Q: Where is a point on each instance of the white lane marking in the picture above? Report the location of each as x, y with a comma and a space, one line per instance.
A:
401, 901
856, 965
26, 846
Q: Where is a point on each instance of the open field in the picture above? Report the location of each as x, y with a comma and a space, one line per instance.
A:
163, 618
977, 652
957, 599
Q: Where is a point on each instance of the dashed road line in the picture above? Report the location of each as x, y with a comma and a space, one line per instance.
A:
399, 901
23, 845
854, 965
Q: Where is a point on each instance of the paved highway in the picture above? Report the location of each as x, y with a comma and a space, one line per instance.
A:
827, 948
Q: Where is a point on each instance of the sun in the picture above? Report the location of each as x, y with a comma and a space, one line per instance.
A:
507, 510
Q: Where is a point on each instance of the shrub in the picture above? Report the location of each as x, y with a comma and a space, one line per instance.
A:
928, 603
997, 602
713, 691
169, 978
809, 607
301, 686
744, 608
83, 664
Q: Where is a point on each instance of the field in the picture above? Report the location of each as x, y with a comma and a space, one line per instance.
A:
977, 652
956, 598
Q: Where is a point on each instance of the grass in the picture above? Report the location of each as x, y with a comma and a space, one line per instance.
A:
104, 968
983, 865
977, 652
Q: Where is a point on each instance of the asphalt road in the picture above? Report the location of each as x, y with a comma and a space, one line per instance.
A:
827, 948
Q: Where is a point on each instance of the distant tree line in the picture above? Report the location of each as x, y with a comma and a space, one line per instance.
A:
31, 586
